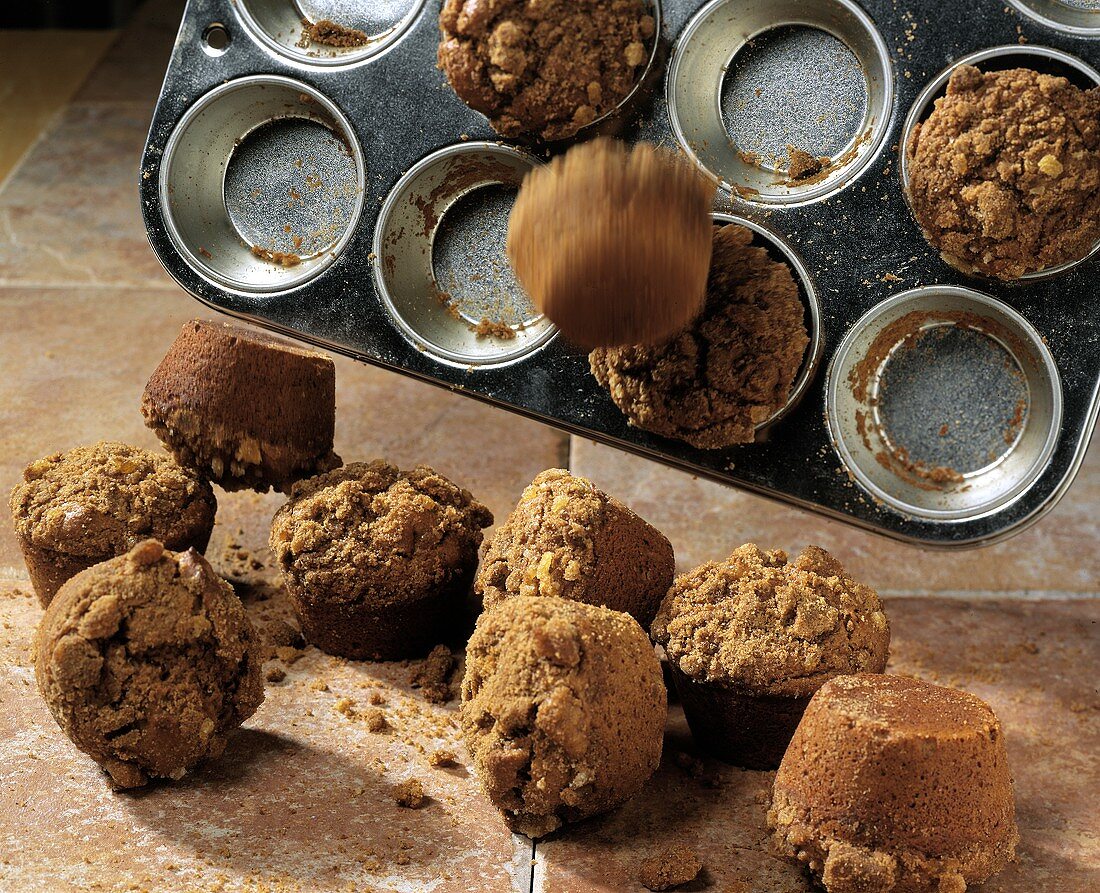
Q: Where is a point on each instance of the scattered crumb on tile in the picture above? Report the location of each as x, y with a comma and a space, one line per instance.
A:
671, 867
410, 794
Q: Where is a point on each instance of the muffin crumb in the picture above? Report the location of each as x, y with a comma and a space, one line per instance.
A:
410, 794
673, 866
432, 677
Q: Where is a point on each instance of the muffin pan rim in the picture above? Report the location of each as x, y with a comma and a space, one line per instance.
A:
848, 174
934, 88
1049, 22
796, 466
315, 266
352, 58
443, 355
842, 363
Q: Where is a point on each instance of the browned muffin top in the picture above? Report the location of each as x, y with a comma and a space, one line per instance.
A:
1004, 175
103, 499
729, 370
371, 531
547, 68
147, 661
756, 621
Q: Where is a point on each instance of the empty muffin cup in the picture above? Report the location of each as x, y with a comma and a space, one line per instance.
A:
261, 184
944, 403
780, 250
783, 103
1078, 17
1045, 60
440, 262
328, 32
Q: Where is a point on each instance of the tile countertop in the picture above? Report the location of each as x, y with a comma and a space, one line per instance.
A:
302, 800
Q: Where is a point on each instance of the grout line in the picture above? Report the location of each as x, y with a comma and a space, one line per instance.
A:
979, 595
534, 864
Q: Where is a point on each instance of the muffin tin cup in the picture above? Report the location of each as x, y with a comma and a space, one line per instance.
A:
439, 311
261, 184
1080, 18
736, 725
705, 52
1040, 58
877, 389
280, 26
780, 250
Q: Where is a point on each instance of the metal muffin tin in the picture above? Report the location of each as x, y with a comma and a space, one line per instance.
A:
394, 254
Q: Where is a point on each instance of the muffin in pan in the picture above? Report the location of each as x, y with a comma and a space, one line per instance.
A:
378, 562
566, 538
92, 503
546, 69
896, 785
750, 639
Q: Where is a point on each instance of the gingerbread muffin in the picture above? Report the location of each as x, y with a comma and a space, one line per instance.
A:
78, 508
896, 785
563, 710
730, 370
1004, 175
750, 639
544, 69
568, 539
378, 562
147, 662
244, 409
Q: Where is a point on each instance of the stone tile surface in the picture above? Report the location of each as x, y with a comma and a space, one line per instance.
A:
302, 800
73, 363
1034, 662
706, 521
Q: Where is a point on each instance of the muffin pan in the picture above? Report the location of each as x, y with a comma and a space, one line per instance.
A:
396, 258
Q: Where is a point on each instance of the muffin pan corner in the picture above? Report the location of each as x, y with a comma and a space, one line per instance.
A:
348, 198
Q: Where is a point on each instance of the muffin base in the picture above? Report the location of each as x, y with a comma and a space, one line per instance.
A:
736, 726
360, 631
50, 569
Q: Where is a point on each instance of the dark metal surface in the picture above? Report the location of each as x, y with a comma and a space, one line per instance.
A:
854, 243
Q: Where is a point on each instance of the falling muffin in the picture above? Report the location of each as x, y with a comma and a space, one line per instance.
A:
1004, 175
563, 710
147, 662
544, 69
76, 509
728, 372
750, 639
378, 562
568, 539
244, 409
896, 785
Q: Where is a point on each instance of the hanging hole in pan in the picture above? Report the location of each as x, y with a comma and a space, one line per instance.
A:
261, 184
784, 103
1079, 17
328, 32
1045, 60
215, 39
944, 403
440, 262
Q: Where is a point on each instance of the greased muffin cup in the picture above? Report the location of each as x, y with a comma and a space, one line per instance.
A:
750, 639
378, 562
76, 509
